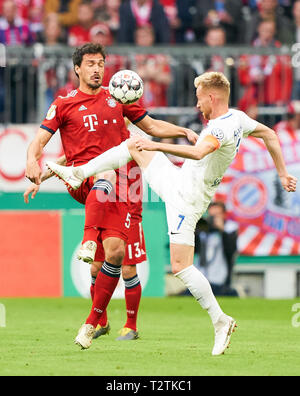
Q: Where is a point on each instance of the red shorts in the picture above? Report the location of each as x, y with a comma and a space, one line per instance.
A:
81, 194
115, 216
135, 248
116, 223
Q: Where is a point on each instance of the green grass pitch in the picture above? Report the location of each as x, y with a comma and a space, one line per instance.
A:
176, 339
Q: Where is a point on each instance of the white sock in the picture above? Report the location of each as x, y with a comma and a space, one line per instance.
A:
200, 288
114, 158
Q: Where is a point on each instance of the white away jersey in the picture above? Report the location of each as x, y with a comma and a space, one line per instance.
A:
200, 178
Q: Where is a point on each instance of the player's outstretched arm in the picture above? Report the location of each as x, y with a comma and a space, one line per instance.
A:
163, 129
33, 189
198, 152
34, 153
271, 141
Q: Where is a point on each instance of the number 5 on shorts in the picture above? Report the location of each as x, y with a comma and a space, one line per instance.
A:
127, 221
181, 220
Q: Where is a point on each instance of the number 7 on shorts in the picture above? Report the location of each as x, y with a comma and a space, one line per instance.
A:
181, 217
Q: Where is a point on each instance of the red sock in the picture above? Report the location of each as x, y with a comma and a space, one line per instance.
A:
107, 280
90, 234
92, 291
133, 292
103, 319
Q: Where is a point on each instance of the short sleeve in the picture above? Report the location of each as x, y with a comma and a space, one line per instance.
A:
53, 121
247, 123
134, 112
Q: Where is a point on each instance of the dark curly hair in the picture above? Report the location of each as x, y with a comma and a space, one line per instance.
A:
88, 48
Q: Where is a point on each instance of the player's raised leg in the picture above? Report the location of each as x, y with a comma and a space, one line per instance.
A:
183, 268
113, 158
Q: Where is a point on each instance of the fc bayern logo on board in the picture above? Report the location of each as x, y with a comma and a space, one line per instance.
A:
111, 102
218, 133
249, 196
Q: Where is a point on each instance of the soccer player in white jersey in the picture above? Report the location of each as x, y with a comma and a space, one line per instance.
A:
187, 191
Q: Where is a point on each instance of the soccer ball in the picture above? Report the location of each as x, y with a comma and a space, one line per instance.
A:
126, 86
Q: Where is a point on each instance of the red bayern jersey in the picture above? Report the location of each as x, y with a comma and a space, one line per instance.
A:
90, 124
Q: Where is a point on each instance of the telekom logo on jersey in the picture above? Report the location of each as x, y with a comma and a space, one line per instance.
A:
90, 121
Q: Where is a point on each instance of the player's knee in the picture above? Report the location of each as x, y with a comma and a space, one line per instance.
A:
108, 175
95, 268
128, 271
115, 255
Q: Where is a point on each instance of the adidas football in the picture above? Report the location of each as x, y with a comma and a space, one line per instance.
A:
126, 86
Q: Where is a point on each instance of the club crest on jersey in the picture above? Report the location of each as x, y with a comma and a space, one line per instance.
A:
111, 102
51, 112
217, 133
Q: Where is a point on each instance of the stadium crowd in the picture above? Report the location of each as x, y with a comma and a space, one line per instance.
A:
74, 22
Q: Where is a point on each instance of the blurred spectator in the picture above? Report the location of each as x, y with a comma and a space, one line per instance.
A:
66, 10
269, 9
296, 15
31, 11
13, 30
215, 37
138, 13
267, 78
24, 7
212, 13
79, 34
186, 10
101, 34
70, 85
108, 13
288, 129
53, 33
171, 12
36, 16
180, 19
266, 35
296, 31
216, 248
153, 69
286, 5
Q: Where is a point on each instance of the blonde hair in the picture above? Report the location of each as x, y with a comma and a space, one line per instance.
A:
213, 80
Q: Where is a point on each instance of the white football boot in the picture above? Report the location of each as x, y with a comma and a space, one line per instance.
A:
85, 336
224, 328
72, 176
87, 252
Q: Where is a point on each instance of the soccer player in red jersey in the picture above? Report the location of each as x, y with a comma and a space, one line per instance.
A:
90, 122
135, 254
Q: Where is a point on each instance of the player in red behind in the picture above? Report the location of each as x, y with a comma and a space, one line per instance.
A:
135, 254
90, 122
